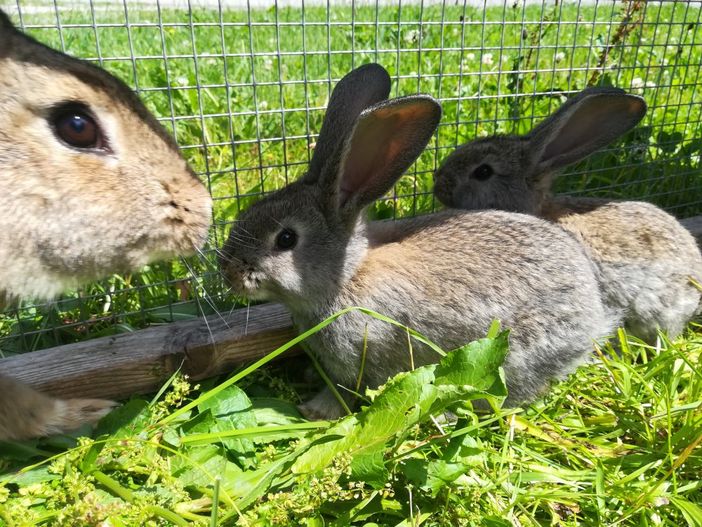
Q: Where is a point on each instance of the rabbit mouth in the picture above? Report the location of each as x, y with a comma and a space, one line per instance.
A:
249, 284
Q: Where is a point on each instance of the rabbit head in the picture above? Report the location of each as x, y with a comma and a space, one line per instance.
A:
304, 241
92, 184
516, 172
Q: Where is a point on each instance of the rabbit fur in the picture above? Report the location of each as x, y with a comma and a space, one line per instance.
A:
447, 275
644, 256
73, 214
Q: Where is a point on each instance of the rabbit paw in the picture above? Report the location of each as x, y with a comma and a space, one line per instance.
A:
73, 413
321, 407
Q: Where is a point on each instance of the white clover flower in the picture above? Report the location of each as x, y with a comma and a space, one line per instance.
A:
268, 63
263, 105
182, 80
412, 36
637, 83
470, 56
559, 56
487, 59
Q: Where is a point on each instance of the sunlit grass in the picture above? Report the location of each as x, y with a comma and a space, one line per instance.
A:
616, 443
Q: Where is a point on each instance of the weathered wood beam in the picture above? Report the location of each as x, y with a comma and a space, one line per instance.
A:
140, 362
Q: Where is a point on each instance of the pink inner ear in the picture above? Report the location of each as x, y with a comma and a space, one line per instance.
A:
378, 142
591, 124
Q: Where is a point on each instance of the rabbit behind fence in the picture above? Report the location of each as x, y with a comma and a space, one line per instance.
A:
645, 257
91, 185
446, 275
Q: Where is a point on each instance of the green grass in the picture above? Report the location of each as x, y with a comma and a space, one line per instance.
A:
616, 443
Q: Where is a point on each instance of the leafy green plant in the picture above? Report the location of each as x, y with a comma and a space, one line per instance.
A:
617, 442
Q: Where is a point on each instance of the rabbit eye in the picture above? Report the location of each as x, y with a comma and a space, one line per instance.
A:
483, 172
74, 125
286, 240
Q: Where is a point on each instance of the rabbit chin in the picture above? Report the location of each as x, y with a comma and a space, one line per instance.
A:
251, 289
45, 276
31, 280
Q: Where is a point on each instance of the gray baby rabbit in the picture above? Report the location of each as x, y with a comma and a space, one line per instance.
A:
91, 185
446, 275
644, 256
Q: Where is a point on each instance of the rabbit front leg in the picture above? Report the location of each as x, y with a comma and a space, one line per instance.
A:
26, 413
324, 406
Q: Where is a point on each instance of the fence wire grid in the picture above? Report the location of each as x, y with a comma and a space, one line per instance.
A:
242, 86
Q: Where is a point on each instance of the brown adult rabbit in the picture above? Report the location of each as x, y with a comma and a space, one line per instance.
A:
446, 275
91, 185
645, 257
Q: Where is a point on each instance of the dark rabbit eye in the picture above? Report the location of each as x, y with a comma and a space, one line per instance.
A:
286, 240
483, 172
75, 126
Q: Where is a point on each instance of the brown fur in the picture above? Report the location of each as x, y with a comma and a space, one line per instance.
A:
644, 256
71, 215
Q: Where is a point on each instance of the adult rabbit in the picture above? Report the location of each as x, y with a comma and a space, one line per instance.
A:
446, 275
91, 184
645, 257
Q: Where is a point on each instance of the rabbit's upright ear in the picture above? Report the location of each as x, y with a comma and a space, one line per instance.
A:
359, 89
584, 124
6, 24
386, 140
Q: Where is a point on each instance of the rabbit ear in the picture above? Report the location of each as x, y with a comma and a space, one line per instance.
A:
359, 89
584, 124
5, 22
386, 140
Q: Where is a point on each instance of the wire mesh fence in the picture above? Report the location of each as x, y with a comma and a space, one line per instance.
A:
243, 87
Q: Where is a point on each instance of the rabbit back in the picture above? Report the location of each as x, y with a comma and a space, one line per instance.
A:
647, 261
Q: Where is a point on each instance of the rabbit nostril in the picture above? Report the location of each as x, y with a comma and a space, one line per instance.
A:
173, 204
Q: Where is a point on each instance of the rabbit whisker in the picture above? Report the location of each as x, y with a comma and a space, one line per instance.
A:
206, 296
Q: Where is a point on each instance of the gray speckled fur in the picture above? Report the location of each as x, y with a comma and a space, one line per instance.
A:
446, 275
644, 256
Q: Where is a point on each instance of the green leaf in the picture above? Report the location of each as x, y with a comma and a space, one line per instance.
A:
370, 467
202, 464
432, 475
476, 364
125, 421
30, 477
468, 372
231, 410
690, 511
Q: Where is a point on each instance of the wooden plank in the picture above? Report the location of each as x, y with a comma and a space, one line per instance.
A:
140, 362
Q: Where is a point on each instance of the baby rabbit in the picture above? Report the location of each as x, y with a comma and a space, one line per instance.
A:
91, 185
644, 256
446, 275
